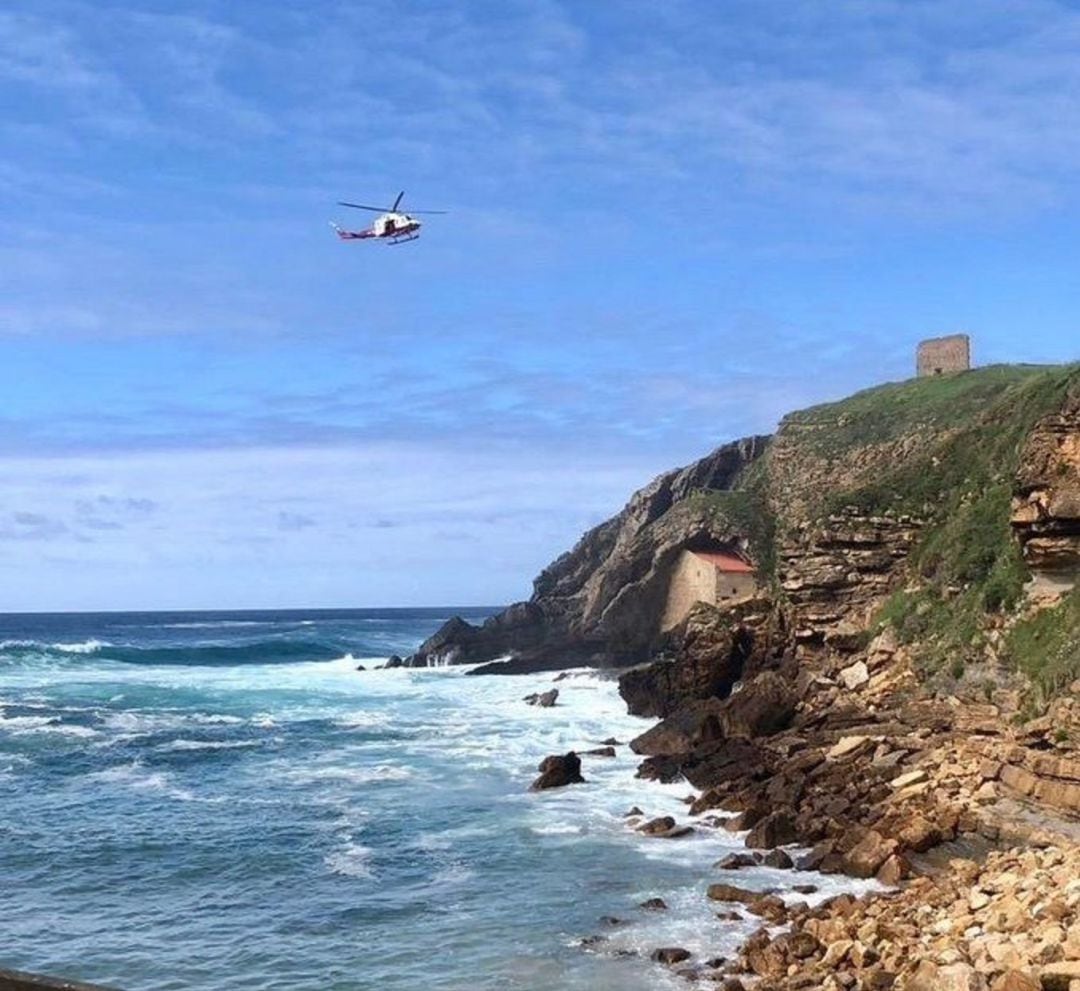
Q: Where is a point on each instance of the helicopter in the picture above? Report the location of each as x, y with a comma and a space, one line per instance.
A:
390, 226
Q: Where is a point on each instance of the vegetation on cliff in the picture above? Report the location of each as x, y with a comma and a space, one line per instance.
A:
891, 508
1045, 646
946, 451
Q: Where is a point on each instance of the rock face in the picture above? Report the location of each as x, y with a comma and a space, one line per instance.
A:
836, 572
604, 599
1046, 504
706, 655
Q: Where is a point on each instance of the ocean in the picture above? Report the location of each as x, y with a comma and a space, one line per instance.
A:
213, 801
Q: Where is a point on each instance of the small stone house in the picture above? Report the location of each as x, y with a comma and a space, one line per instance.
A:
713, 577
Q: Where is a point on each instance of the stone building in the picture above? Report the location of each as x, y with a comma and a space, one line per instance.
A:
943, 355
713, 577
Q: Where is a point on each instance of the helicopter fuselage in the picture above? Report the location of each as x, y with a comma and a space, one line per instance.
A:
395, 225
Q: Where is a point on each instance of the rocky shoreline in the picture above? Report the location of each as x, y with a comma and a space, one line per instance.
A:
899, 696
931, 797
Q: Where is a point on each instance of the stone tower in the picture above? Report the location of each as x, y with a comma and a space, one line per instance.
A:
943, 355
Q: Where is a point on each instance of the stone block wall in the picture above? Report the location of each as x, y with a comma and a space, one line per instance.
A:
943, 355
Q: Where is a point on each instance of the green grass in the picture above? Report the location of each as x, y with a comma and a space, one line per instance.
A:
967, 562
882, 414
1046, 647
745, 510
970, 439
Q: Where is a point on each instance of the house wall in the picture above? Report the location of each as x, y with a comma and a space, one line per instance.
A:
694, 580
734, 585
943, 355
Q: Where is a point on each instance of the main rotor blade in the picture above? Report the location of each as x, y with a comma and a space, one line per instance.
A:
393, 209
360, 206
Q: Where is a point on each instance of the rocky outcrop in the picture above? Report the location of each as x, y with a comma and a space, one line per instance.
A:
545, 700
762, 707
835, 573
1047, 778
11, 980
704, 657
605, 598
1046, 504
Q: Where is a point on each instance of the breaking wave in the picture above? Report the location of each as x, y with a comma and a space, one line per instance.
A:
185, 655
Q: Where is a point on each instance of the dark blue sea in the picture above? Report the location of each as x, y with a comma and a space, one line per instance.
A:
217, 800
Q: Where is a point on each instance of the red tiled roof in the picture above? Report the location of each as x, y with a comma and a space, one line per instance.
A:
725, 562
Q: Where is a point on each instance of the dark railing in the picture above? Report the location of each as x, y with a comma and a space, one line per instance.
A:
11, 980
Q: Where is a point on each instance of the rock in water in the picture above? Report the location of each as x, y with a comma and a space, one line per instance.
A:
393, 661
658, 827
556, 771
601, 752
670, 955
543, 699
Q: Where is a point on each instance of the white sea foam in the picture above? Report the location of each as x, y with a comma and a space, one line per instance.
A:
82, 647
350, 775
137, 777
351, 861
447, 839
25, 725
208, 745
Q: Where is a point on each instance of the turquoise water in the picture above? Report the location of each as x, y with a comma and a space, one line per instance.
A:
221, 801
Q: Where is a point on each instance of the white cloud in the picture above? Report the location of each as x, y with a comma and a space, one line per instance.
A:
238, 528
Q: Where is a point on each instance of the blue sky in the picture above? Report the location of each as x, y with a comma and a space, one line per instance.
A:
670, 222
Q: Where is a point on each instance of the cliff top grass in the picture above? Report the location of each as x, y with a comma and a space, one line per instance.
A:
897, 409
963, 433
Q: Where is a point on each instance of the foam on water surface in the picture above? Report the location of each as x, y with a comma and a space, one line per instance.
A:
302, 825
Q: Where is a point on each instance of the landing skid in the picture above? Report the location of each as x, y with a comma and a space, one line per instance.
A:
403, 240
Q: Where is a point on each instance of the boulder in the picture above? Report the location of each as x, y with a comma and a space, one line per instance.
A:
653, 905
848, 746
778, 859
735, 861
855, 675
393, 661
1060, 976
1016, 980
721, 892
762, 707
893, 870
600, 752
774, 830
670, 955
545, 700
867, 856
682, 731
557, 771
658, 827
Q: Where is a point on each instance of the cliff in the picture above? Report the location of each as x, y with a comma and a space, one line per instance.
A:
901, 696
602, 601
927, 504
